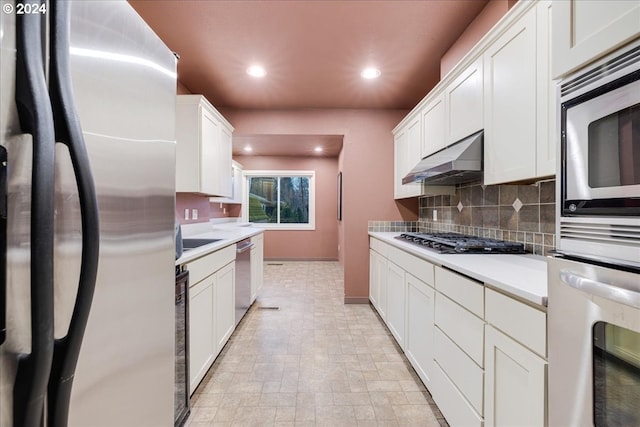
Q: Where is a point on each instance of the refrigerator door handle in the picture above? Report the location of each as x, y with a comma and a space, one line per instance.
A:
35, 117
69, 132
3, 244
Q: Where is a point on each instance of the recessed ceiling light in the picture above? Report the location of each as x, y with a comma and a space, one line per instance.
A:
370, 73
248, 149
256, 71
318, 149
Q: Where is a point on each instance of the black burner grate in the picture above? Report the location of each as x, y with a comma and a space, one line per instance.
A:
461, 243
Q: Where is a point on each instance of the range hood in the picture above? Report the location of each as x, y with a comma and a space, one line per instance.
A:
456, 164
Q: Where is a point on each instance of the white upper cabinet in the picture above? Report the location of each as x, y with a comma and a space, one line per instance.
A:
406, 155
519, 141
433, 124
203, 149
463, 99
236, 186
584, 30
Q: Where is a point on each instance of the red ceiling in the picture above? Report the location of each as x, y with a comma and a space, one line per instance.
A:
313, 50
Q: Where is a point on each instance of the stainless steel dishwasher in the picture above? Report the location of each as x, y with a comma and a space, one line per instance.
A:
243, 278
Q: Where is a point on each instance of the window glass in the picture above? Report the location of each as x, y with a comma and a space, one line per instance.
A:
263, 199
280, 201
294, 200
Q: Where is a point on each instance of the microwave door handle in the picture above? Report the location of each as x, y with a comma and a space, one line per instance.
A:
69, 133
35, 117
599, 289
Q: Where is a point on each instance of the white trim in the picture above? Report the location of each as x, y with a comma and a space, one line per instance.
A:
281, 173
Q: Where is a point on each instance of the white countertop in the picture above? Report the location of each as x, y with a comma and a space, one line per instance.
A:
524, 276
229, 233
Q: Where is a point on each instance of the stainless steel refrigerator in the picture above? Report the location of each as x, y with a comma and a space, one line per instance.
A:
87, 182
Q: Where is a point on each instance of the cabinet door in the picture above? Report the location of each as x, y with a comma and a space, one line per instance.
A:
225, 170
433, 124
209, 154
399, 154
236, 193
374, 285
547, 106
257, 265
585, 30
202, 349
464, 101
419, 333
406, 156
414, 141
381, 266
515, 383
224, 304
510, 104
396, 302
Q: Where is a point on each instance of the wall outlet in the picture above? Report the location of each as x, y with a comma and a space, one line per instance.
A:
194, 213
435, 215
186, 214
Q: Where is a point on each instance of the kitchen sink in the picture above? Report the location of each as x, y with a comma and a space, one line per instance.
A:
196, 243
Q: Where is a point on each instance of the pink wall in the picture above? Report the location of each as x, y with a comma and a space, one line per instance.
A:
490, 15
318, 244
206, 209
192, 201
367, 172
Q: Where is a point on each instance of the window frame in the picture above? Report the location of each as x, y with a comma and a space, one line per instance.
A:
281, 174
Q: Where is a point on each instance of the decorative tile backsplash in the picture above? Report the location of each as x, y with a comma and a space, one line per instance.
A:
517, 213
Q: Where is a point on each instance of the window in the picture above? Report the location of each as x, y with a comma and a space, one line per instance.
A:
280, 199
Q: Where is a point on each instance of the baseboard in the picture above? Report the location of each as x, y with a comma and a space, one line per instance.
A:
356, 300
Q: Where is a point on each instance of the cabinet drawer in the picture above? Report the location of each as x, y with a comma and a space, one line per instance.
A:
466, 292
413, 265
461, 370
451, 402
462, 326
523, 323
379, 246
374, 243
209, 264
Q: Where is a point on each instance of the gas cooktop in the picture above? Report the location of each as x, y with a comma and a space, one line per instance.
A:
455, 243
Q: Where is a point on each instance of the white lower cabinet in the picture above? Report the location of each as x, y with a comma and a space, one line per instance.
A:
515, 384
396, 302
201, 345
378, 282
480, 353
461, 369
374, 283
419, 328
211, 309
257, 265
451, 402
224, 305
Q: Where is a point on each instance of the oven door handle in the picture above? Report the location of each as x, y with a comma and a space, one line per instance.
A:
603, 290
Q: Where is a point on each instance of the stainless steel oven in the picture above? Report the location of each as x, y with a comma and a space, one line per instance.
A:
600, 159
594, 278
594, 344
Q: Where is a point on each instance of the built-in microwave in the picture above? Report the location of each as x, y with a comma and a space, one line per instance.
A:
600, 159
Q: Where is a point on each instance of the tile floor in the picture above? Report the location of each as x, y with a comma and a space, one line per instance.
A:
313, 362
